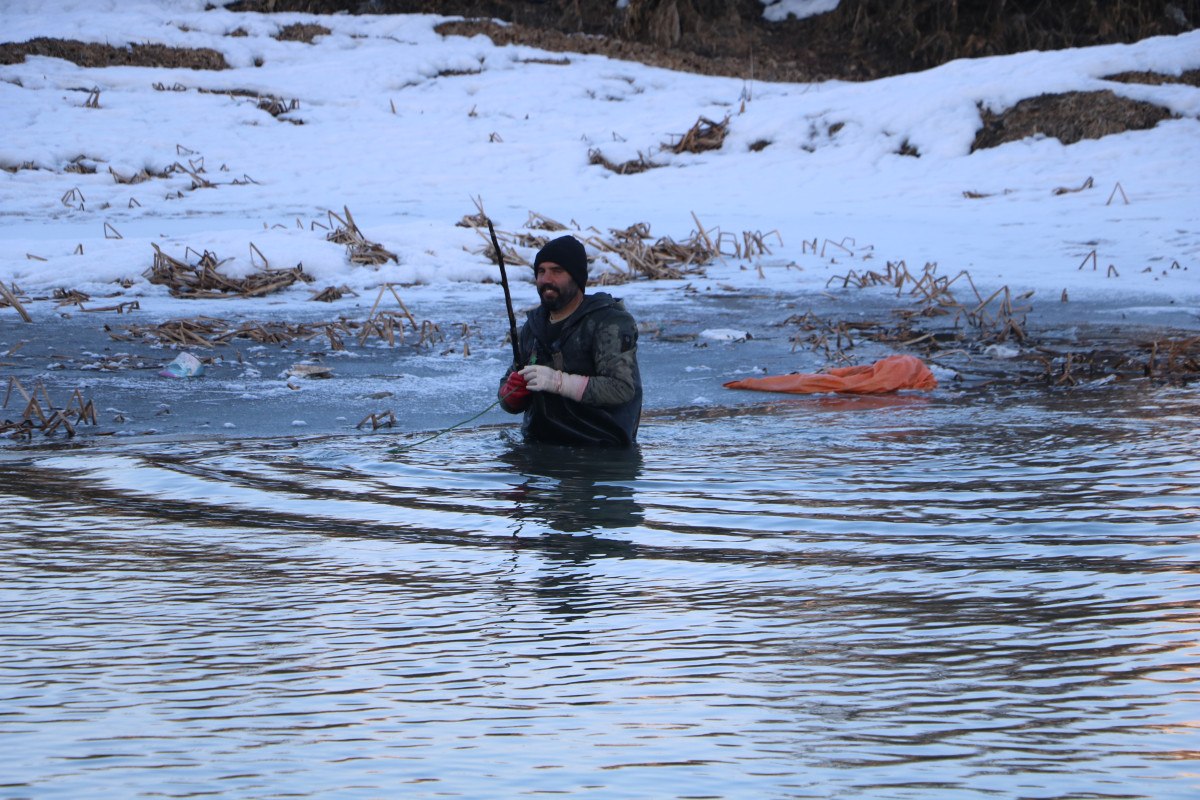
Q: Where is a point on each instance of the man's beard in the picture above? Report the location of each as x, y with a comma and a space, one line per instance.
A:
559, 300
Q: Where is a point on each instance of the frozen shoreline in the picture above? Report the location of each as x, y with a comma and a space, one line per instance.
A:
689, 346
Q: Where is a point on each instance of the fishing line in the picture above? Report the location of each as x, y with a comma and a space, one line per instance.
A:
403, 447
513, 337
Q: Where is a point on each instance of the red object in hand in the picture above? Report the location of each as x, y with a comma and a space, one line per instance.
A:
514, 393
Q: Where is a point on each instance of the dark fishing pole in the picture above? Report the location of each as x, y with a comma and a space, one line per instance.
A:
512, 318
512, 326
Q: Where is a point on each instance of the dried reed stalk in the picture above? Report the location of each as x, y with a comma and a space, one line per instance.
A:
204, 279
210, 332
1088, 184
631, 167
10, 299
383, 419
332, 293
49, 419
476, 220
939, 300
703, 135
69, 297
643, 256
361, 250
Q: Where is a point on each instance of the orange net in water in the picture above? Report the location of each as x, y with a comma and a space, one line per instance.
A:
886, 375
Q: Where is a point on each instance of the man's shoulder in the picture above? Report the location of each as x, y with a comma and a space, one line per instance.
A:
603, 305
535, 320
610, 327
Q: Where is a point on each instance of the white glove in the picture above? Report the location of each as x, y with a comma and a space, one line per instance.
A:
544, 379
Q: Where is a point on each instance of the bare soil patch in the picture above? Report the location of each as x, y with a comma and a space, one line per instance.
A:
90, 54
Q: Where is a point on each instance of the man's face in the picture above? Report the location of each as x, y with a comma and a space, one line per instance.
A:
555, 285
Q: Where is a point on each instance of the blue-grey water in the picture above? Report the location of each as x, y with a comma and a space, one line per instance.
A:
969, 596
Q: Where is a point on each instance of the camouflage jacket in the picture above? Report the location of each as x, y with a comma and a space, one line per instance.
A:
598, 340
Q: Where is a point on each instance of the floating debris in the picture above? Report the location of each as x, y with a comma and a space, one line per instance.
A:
208, 332
996, 327
184, 365
120, 308
310, 371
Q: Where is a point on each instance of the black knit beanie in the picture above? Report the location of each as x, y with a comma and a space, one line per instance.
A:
568, 253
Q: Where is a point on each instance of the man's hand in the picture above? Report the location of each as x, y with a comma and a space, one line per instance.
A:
544, 379
515, 392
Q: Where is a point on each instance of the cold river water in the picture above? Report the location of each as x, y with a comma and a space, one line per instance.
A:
972, 595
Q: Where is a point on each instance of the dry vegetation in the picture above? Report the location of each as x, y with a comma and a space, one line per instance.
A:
87, 54
951, 323
361, 250
302, 32
861, 39
1188, 78
704, 135
204, 279
1068, 117
387, 325
630, 167
39, 413
630, 253
8, 298
996, 318
273, 105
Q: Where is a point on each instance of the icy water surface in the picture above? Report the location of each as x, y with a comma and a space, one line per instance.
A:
968, 596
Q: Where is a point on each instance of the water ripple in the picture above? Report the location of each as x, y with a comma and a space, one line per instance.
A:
926, 600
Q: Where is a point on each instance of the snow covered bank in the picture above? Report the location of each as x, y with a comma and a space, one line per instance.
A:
405, 127
835, 184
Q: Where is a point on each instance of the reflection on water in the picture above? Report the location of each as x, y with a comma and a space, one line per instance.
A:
972, 596
574, 490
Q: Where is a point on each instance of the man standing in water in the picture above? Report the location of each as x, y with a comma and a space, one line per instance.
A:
581, 383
